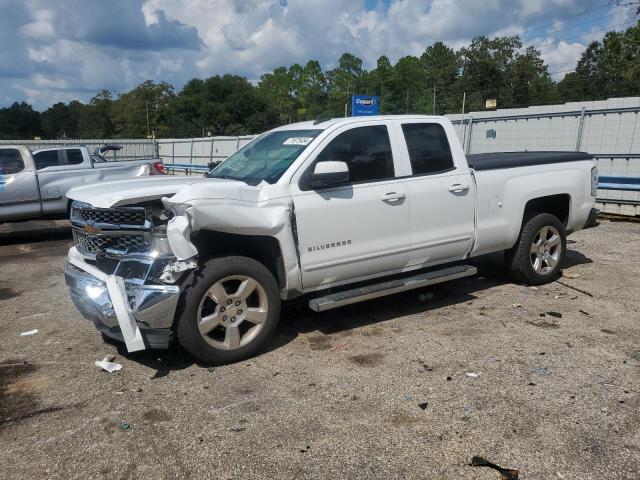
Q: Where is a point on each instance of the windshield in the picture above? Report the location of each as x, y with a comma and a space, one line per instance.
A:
265, 158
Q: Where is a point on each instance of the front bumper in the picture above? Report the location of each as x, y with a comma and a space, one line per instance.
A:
139, 315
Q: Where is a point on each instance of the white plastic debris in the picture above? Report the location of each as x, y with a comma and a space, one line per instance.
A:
517, 305
108, 366
472, 374
570, 275
29, 333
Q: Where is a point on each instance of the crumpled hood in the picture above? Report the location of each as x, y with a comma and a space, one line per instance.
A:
122, 192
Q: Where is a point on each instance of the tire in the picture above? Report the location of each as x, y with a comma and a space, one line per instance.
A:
229, 309
531, 248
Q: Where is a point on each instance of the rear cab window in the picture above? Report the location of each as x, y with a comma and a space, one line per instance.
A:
48, 158
10, 161
74, 156
428, 146
365, 150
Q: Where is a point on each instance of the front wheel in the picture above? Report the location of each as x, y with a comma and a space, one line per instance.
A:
231, 307
539, 251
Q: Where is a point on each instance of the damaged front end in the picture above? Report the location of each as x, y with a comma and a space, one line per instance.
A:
122, 272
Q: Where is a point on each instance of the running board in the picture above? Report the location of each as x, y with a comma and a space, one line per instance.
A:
347, 297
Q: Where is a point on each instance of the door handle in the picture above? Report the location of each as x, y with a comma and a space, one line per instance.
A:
393, 197
458, 187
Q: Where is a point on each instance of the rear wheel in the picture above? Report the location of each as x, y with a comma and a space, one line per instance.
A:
231, 308
539, 251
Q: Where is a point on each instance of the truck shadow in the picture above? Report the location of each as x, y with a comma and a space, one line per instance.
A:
35, 231
297, 319
492, 272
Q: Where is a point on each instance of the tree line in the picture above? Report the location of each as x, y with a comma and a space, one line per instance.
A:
497, 68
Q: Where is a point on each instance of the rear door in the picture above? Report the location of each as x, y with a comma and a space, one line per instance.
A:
19, 196
441, 194
357, 229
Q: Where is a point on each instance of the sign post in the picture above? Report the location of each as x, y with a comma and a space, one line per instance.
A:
365, 105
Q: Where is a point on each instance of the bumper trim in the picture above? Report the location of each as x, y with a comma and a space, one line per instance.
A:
153, 305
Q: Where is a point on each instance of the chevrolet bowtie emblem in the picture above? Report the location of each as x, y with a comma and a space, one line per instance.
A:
90, 230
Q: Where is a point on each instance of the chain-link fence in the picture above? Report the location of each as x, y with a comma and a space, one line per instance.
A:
199, 151
132, 149
608, 129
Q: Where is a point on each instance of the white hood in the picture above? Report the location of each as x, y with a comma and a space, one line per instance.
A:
122, 192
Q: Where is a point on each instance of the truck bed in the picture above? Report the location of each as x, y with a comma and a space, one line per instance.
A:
494, 161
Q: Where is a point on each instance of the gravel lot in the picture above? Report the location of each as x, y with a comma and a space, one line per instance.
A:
376, 390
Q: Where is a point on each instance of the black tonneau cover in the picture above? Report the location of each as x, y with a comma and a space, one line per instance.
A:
493, 161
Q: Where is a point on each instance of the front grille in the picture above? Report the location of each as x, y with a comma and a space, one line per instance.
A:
115, 216
128, 243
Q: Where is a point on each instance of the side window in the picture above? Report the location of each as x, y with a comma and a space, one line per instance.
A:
48, 158
74, 156
10, 161
366, 150
428, 147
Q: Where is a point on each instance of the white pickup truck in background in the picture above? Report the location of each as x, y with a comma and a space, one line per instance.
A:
336, 212
34, 184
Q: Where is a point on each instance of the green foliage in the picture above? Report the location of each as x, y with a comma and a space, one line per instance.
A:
497, 68
19, 120
610, 68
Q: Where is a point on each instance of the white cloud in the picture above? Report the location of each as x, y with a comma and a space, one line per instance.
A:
83, 46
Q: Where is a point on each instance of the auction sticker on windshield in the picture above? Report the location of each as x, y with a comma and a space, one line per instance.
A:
297, 141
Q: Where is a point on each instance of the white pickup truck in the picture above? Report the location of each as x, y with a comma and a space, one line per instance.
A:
336, 212
33, 184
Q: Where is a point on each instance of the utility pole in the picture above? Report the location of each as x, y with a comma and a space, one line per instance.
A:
434, 100
147, 108
464, 98
346, 101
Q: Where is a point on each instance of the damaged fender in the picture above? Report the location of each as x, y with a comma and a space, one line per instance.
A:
179, 235
245, 211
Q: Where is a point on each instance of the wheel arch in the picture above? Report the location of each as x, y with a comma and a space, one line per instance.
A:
558, 205
262, 248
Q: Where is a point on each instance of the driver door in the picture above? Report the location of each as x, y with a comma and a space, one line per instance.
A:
19, 196
360, 228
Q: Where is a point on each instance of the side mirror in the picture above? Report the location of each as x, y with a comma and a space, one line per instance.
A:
327, 174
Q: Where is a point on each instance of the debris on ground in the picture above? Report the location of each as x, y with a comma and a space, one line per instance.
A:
543, 324
517, 305
423, 406
570, 275
542, 370
505, 473
426, 367
584, 313
125, 426
339, 347
472, 374
423, 297
584, 292
108, 365
28, 333
553, 314
408, 397
557, 297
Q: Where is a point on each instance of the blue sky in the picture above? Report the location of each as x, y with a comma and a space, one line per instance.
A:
70, 49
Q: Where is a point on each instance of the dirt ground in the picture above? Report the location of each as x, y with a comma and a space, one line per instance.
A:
407, 386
